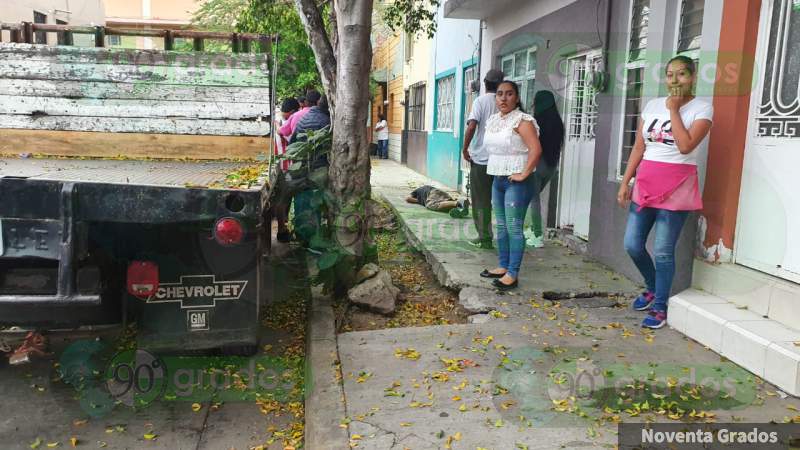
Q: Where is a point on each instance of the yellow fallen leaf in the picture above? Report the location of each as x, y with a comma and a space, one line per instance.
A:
73, 441
53, 444
150, 436
457, 436
102, 444
463, 407
455, 398
79, 422
405, 424
36, 443
355, 437
196, 407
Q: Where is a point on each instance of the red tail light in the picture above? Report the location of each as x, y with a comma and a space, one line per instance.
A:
228, 231
142, 278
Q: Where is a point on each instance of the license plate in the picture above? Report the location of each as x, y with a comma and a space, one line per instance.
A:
30, 238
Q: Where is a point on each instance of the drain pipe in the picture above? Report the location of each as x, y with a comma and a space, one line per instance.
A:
480, 53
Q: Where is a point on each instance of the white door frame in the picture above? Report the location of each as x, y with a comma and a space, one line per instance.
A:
752, 141
564, 166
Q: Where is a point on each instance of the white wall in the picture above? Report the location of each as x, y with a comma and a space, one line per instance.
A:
522, 14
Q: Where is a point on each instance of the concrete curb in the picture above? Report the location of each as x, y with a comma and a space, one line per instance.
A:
325, 404
442, 276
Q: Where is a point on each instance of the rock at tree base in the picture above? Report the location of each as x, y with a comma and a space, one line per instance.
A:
376, 294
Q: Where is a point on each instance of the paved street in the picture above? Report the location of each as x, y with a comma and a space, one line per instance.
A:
40, 409
534, 375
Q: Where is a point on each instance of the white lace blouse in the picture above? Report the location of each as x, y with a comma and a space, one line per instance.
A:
507, 152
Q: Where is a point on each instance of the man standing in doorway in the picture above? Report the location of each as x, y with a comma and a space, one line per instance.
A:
474, 152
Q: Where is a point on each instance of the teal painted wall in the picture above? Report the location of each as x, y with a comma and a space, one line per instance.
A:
443, 154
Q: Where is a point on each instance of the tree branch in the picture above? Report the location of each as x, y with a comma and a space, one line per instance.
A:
325, 57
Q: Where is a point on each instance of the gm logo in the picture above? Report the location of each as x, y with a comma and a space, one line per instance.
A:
197, 320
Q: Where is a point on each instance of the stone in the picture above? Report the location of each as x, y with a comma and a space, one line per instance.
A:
479, 318
366, 272
478, 300
376, 294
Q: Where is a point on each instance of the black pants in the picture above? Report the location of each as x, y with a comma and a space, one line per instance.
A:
481, 198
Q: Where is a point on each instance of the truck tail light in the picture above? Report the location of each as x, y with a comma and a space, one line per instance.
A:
142, 278
228, 231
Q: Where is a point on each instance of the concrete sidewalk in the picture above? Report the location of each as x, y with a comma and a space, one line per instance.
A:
444, 242
535, 374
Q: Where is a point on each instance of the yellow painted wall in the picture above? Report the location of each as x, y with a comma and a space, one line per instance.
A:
417, 68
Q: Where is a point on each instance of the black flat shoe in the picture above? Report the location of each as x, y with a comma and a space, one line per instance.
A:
487, 274
502, 286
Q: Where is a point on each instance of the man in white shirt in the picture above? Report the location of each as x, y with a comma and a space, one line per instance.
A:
474, 152
382, 129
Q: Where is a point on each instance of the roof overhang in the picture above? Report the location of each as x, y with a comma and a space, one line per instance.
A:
475, 9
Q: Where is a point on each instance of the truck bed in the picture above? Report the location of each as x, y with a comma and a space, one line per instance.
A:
125, 172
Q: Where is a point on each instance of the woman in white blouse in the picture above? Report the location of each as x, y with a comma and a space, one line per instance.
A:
512, 138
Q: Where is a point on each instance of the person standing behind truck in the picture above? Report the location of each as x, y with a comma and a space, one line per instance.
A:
474, 152
287, 130
289, 107
382, 127
307, 219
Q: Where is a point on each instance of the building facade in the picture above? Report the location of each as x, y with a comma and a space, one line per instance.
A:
55, 12
388, 97
417, 57
738, 260
174, 14
453, 70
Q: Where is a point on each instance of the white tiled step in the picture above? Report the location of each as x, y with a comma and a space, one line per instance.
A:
762, 346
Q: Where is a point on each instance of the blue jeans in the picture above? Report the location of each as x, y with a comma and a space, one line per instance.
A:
383, 149
542, 176
658, 277
509, 203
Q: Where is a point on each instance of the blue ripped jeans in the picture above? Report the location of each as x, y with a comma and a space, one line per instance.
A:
657, 276
509, 203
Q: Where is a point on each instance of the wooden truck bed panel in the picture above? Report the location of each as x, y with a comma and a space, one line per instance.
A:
141, 173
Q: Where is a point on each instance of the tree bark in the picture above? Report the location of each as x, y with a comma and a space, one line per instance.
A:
320, 44
349, 163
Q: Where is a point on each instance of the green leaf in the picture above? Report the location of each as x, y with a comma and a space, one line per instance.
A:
327, 260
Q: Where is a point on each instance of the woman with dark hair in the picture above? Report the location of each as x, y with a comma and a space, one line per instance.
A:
552, 138
512, 139
281, 210
666, 187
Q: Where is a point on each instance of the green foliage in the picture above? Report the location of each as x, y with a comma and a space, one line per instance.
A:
412, 16
297, 70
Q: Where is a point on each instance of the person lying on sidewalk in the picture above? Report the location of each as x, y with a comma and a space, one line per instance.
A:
439, 201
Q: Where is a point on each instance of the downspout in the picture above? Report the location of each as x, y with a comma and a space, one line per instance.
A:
480, 52
607, 43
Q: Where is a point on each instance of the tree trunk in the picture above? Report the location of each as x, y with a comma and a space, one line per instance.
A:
350, 164
323, 51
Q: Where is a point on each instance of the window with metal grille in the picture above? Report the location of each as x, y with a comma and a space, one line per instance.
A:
445, 102
640, 18
40, 37
633, 109
691, 27
520, 67
64, 38
416, 106
115, 41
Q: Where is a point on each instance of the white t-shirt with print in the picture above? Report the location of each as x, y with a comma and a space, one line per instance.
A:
657, 129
